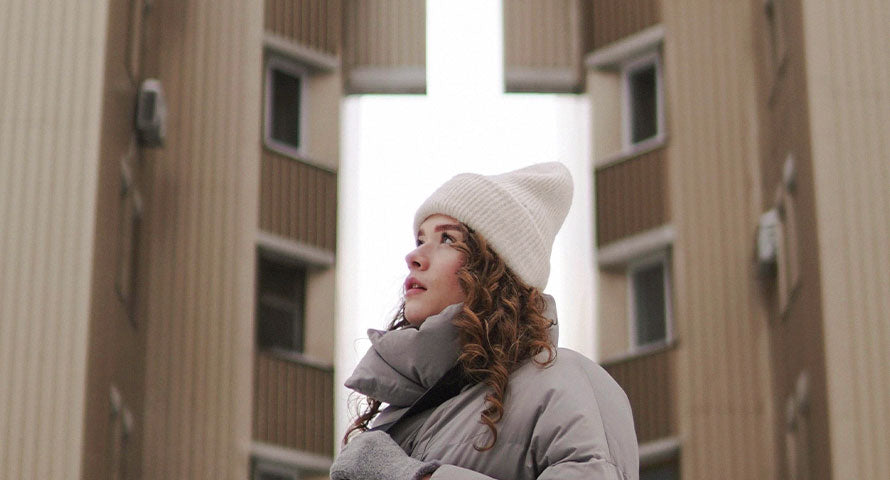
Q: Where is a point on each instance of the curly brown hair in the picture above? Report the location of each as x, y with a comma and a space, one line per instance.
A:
501, 325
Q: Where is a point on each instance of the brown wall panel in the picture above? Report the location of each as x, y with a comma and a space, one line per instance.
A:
116, 355
631, 196
648, 381
616, 19
293, 404
384, 46
796, 336
311, 23
543, 42
298, 201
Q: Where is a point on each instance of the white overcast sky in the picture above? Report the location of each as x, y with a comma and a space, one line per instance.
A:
397, 149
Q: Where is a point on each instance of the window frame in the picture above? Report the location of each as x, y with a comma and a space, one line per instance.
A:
275, 62
663, 258
672, 464
281, 260
627, 69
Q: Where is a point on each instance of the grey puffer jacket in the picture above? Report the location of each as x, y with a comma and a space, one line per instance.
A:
566, 421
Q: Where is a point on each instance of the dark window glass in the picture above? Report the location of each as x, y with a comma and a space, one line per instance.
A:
649, 304
274, 476
280, 309
643, 103
663, 471
285, 106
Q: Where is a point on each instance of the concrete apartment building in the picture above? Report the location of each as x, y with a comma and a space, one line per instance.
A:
742, 184
167, 311
167, 308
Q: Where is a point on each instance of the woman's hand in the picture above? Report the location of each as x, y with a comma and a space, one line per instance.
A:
375, 456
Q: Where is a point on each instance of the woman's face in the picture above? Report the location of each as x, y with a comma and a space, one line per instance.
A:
432, 279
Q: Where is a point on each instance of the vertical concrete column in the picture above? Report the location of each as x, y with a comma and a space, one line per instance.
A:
51, 70
202, 220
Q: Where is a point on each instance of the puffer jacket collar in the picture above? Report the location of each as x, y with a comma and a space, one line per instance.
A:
403, 364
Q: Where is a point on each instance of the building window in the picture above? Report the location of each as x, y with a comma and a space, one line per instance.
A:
285, 105
669, 470
280, 305
649, 282
643, 100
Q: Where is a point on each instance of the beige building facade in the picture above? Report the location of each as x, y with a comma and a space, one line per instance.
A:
166, 311
741, 176
167, 281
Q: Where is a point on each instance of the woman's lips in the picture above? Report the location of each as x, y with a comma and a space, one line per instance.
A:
413, 287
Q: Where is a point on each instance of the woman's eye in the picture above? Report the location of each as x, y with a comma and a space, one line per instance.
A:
418, 242
447, 239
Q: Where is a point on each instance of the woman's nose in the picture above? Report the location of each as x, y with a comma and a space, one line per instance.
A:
416, 259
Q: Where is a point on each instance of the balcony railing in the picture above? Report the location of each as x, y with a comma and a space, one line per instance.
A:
543, 46
298, 201
614, 20
293, 404
648, 381
310, 23
631, 196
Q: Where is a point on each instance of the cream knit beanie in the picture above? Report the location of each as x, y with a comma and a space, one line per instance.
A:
518, 212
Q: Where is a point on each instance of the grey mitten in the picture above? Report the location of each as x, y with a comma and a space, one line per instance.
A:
375, 456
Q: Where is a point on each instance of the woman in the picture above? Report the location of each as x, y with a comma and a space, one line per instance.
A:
473, 384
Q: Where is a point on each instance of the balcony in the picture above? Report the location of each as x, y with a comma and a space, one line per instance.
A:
384, 46
298, 201
631, 195
613, 20
293, 404
313, 24
648, 381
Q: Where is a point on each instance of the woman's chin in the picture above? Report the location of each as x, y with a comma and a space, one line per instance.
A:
413, 317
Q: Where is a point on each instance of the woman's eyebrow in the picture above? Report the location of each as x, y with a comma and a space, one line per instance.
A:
440, 228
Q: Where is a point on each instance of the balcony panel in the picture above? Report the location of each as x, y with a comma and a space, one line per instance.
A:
648, 381
314, 24
543, 41
616, 19
298, 201
384, 46
631, 196
293, 404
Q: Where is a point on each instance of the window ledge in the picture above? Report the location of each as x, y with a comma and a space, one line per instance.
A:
291, 154
284, 149
286, 249
620, 253
308, 56
640, 352
611, 56
406, 79
542, 80
297, 357
303, 460
633, 151
658, 451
